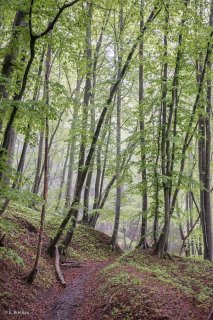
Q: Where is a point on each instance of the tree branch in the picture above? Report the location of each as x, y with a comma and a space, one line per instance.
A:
55, 19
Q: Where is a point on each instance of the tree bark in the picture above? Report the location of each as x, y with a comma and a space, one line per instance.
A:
39, 161
12, 52
63, 177
30, 278
118, 136
143, 241
161, 246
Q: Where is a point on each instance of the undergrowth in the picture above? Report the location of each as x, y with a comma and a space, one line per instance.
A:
142, 284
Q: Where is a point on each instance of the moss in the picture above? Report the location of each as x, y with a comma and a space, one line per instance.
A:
8, 226
9, 254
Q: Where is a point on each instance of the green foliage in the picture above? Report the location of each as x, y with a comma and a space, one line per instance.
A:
7, 253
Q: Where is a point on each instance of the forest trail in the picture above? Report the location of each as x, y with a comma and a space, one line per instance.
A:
83, 300
134, 285
70, 304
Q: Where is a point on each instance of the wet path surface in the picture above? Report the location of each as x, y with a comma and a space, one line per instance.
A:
67, 306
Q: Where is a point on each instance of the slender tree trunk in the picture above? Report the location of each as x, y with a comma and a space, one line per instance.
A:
204, 153
63, 177
91, 97
161, 246
208, 253
71, 158
167, 151
99, 179
143, 241
39, 162
30, 278
26, 140
20, 168
118, 137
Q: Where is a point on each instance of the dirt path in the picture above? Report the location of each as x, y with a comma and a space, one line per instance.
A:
69, 305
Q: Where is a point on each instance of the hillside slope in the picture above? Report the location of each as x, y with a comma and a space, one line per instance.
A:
20, 225
140, 286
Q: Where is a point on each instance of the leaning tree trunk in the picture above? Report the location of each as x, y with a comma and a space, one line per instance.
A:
20, 169
99, 181
86, 218
30, 278
72, 145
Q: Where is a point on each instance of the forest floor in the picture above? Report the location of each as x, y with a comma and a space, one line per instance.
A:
20, 300
106, 286
136, 286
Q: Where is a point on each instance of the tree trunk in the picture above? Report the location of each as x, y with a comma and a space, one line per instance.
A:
118, 137
30, 278
143, 242
71, 158
63, 177
39, 161
99, 179
161, 246
12, 52
204, 154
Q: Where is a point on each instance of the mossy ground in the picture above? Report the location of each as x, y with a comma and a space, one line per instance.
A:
142, 286
20, 226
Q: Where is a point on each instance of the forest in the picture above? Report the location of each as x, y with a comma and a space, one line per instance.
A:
106, 159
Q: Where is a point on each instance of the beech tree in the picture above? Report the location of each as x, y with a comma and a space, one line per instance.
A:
125, 132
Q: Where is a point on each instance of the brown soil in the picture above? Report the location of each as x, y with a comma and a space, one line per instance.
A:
82, 299
77, 298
